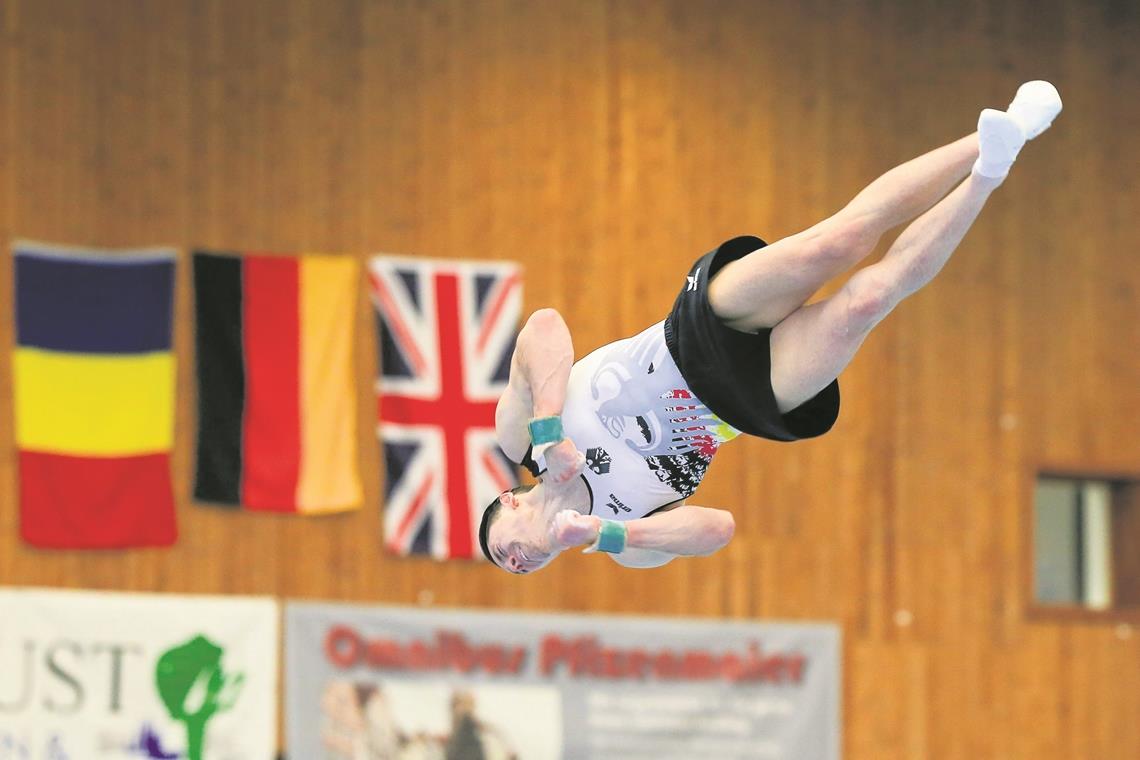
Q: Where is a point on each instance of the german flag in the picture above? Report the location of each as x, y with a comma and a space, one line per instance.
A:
94, 378
276, 397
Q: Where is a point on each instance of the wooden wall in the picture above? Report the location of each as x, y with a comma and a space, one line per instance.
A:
605, 145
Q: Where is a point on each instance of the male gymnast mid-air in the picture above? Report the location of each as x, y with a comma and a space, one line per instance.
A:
621, 438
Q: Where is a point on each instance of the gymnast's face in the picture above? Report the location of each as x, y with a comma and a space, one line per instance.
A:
518, 538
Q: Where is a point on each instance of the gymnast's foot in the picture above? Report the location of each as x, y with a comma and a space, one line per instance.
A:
1034, 107
1000, 138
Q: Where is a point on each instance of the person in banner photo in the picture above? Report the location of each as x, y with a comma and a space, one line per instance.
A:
619, 439
472, 738
358, 723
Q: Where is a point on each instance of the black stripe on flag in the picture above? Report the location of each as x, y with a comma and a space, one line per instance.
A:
221, 377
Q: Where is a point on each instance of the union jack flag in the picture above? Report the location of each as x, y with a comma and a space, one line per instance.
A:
447, 330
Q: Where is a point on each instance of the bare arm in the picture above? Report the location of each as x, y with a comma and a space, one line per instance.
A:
540, 369
682, 531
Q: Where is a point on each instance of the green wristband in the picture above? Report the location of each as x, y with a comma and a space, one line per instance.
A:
545, 430
611, 538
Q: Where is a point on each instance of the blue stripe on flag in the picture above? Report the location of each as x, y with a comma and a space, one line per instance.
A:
421, 544
94, 302
483, 283
411, 281
392, 362
397, 457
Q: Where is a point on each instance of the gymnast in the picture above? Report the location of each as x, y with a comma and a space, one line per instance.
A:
621, 438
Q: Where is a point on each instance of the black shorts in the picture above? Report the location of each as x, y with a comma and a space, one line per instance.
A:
731, 371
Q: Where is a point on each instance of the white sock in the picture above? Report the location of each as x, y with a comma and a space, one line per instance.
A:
1000, 138
1035, 106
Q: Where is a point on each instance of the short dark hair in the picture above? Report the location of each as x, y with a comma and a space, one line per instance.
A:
489, 514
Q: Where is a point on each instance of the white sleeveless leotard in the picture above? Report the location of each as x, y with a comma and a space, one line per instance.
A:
647, 438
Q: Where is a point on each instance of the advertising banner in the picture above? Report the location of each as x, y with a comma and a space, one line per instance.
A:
367, 683
107, 676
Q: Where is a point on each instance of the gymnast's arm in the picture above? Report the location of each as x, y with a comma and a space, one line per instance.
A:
540, 369
683, 530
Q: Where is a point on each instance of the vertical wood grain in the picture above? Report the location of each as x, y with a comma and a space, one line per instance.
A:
604, 144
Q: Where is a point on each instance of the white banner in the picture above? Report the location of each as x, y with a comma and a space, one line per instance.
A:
103, 676
385, 683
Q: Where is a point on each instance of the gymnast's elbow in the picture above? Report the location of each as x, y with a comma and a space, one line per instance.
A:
545, 329
545, 319
721, 528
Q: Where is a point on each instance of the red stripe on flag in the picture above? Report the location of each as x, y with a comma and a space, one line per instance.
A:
271, 429
69, 502
405, 410
453, 403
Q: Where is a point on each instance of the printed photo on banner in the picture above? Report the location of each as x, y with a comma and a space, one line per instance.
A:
400, 720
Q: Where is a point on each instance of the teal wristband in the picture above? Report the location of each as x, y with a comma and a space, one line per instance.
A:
611, 538
545, 430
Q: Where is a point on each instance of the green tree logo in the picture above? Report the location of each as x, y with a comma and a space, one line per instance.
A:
194, 688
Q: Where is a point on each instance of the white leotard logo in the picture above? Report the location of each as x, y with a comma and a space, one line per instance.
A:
692, 278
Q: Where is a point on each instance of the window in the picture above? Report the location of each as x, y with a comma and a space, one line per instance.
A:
1086, 542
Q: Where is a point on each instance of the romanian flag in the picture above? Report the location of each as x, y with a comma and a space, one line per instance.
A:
276, 397
94, 377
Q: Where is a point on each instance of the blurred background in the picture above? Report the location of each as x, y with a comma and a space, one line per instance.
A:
604, 145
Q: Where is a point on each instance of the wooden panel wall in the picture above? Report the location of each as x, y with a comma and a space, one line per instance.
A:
604, 145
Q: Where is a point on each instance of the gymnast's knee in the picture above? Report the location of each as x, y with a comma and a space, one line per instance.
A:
870, 297
843, 239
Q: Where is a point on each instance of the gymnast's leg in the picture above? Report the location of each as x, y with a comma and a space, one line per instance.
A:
814, 343
762, 288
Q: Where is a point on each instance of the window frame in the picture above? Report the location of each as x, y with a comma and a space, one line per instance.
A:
1036, 611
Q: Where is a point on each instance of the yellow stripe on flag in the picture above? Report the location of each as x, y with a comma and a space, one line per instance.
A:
94, 404
328, 480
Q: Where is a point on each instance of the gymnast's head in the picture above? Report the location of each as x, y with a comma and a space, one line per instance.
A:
514, 532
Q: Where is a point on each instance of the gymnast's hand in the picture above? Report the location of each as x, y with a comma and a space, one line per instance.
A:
564, 461
571, 528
